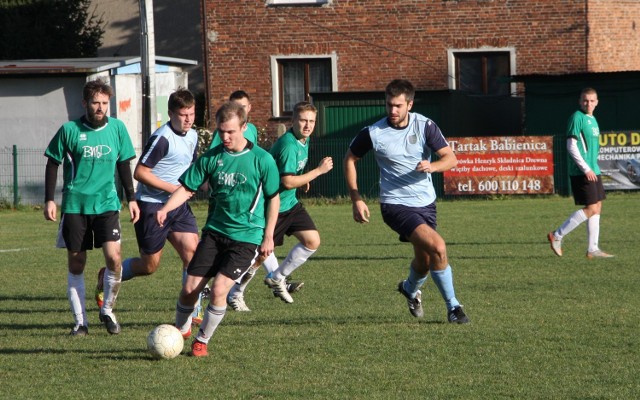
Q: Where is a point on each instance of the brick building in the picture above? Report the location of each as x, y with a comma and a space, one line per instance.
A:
280, 50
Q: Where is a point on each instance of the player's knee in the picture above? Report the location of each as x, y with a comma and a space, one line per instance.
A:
149, 268
439, 254
312, 242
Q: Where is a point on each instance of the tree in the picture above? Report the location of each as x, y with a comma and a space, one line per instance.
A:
49, 29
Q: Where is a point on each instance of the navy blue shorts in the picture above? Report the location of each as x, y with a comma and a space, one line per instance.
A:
404, 220
219, 254
82, 232
295, 220
151, 236
586, 192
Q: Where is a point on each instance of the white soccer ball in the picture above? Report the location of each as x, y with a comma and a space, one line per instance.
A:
165, 341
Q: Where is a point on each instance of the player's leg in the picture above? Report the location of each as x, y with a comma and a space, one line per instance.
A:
199, 271
404, 220
111, 283
76, 291
185, 242
593, 199
235, 299
430, 251
151, 239
233, 260
187, 299
296, 222
77, 238
309, 241
580, 189
106, 228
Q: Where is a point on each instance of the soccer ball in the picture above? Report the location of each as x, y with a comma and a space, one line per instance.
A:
165, 341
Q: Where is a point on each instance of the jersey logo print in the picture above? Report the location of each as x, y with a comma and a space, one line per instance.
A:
301, 164
233, 179
96, 152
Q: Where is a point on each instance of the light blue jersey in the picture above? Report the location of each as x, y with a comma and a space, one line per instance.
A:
398, 152
168, 154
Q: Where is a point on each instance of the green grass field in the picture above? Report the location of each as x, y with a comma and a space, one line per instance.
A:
543, 327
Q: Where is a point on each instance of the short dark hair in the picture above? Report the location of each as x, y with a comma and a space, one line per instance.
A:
94, 87
398, 87
238, 95
181, 98
229, 110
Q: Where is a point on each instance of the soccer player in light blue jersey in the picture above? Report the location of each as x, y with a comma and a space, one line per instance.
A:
167, 154
403, 143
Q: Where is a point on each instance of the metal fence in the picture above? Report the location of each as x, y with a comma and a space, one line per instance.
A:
22, 174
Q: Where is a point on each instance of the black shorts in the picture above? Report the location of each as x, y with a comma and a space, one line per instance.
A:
295, 220
586, 192
218, 254
82, 232
404, 220
151, 236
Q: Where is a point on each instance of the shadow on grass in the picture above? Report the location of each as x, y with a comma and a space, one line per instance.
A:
141, 353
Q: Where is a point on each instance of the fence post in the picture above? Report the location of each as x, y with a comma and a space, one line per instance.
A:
15, 176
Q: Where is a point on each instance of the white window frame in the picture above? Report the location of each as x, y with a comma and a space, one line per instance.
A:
275, 78
295, 2
451, 59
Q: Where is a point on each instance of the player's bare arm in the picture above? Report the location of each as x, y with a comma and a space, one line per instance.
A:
447, 160
145, 175
267, 245
296, 181
176, 200
359, 207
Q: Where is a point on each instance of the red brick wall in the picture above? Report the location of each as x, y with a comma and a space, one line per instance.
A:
614, 35
379, 40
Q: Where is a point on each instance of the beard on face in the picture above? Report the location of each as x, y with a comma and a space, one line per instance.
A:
95, 120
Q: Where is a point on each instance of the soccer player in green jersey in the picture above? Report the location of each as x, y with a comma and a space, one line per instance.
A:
243, 181
251, 133
291, 152
583, 145
91, 149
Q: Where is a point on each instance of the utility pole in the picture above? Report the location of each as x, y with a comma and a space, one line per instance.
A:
148, 69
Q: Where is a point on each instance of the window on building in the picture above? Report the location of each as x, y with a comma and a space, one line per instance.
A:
481, 72
295, 78
296, 2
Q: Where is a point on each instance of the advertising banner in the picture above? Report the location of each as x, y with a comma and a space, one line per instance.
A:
501, 165
619, 160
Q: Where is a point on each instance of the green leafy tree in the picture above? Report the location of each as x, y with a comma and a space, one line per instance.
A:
49, 29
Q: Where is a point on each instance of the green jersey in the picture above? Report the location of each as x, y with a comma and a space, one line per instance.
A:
251, 134
89, 158
291, 157
238, 185
584, 128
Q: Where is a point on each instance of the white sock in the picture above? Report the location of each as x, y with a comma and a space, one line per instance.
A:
271, 263
111, 282
296, 257
183, 317
593, 232
76, 295
212, 319
570, 224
